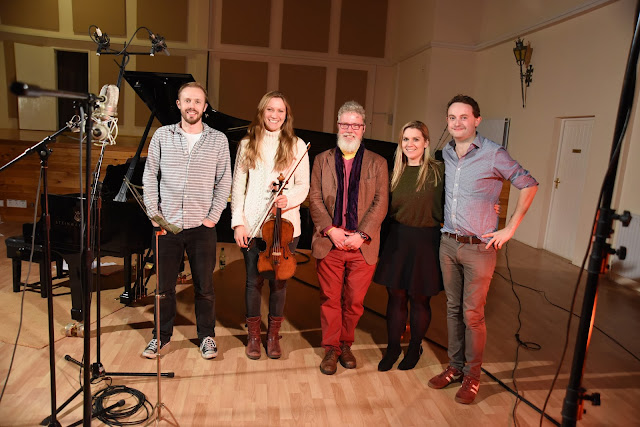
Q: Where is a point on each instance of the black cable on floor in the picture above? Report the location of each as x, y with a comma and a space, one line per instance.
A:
116, 416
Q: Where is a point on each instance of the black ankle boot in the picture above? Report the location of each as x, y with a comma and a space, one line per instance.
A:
389, 359
411, 358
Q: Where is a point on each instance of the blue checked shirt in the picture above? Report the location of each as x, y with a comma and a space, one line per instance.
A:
473, 184
187, 187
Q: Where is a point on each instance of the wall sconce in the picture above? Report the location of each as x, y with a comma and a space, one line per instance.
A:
523, 57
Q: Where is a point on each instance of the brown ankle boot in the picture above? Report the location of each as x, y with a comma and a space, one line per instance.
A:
253, 340
273, 337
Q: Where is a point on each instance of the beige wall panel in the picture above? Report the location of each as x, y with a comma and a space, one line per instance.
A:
242, 85
38, 14
246, 22
10, 73
351, 85
108, 75
363, 25
304, 85
158, 64
36, 65
305, 25
112, 18
566, 83
165, 17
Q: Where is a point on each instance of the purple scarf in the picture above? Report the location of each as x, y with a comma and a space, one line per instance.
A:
354, 189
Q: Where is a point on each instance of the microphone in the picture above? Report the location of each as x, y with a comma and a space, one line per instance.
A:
103, 41
105, 116
158, 44
108, 105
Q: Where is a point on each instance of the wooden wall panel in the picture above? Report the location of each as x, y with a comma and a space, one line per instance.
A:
305, 25
159, 64
363, 25
246, 22
304, 86
10, 72
37, 14
351, 85
244, 84
112, 18
166, 17
20, 182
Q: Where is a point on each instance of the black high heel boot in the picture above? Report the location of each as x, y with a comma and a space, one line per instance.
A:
411, 358
389, 359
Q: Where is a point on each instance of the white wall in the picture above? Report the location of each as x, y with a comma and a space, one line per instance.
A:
579, 64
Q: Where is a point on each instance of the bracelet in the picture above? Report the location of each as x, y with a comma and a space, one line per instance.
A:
364, 236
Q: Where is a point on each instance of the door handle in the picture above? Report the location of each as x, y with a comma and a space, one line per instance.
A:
556, 181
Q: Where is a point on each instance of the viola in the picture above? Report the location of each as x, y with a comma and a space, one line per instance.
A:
277, 260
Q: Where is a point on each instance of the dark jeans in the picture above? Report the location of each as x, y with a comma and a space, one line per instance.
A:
253, 291
200, 244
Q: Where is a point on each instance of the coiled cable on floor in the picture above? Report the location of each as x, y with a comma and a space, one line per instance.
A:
116, 416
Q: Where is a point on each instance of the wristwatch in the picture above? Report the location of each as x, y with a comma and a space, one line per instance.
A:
364, 236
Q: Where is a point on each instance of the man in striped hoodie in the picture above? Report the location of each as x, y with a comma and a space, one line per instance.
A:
187, 181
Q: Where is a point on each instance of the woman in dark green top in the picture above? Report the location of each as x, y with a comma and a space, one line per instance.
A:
409, 265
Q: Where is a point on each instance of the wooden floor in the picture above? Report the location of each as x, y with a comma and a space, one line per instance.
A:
233, 390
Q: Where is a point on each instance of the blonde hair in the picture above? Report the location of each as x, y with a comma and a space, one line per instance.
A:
427, 163
287, 139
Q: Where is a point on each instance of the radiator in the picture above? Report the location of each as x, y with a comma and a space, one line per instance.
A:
630, 238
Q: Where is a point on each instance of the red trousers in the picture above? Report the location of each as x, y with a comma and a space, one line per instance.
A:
344, 278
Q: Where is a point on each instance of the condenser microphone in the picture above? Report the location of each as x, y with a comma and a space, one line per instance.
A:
108, 105
158, 44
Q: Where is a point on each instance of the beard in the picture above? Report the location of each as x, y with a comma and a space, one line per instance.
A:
189, 120
348, 147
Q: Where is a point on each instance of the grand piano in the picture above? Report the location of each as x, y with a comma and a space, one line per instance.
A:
125, 229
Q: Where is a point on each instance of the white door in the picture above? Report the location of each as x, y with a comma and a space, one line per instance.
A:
567, 187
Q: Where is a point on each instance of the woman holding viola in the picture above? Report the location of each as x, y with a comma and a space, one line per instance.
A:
269, 149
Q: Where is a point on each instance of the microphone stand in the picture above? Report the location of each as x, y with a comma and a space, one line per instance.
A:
572, 408
44, 152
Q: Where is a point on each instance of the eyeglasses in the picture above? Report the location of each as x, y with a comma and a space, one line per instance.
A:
354, 126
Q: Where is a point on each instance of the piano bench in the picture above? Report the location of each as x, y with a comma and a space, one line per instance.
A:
19, 250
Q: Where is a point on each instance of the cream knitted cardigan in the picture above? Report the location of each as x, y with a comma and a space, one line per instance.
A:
251, 189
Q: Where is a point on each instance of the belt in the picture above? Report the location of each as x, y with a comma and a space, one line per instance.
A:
464, 239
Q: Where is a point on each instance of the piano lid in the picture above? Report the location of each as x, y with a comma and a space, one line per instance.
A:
159, 91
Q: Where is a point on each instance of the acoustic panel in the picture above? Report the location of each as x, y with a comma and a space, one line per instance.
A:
303, 85
305, 25
363, 25
246, 22
243, 83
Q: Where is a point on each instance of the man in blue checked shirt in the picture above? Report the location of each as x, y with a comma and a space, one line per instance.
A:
187, 180
474, 170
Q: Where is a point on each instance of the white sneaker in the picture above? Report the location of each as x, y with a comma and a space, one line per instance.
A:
208, 348
151, 351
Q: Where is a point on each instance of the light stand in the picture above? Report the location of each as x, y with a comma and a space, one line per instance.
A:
576, 395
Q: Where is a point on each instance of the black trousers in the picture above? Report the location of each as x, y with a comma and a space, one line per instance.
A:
253, 290
200, 245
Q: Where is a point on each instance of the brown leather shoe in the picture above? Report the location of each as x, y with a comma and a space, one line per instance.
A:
329, 364
253, 340
273, 337
347, 359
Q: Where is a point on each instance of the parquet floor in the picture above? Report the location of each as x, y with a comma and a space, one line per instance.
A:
233, 390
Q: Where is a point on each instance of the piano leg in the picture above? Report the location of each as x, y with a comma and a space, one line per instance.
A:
16, 267
75, 285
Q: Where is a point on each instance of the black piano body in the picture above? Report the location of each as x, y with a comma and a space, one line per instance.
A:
125, 231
